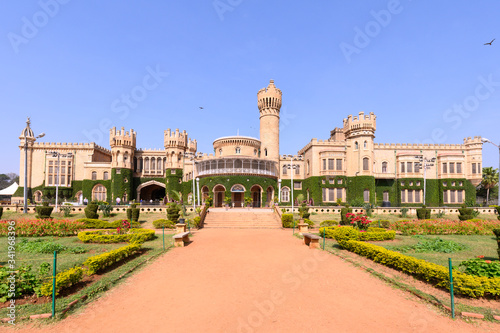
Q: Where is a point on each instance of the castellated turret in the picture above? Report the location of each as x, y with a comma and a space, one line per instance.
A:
360, 126
176, 144
269, 103
122, 147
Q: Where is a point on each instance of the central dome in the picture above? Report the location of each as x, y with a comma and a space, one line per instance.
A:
237, 146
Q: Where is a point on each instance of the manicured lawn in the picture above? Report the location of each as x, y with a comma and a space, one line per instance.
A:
476, 245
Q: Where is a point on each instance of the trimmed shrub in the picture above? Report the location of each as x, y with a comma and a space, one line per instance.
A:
100, 224
497, 234
63, 280
308, 222
346, 233
445, 227
287, 220
377, 235
343, 216
173, 212
437, 275
328, 223
158, 224
44, 211
465, 213
423, 213
133, 214
194, 223
329, 231
101, 261
91, 211
375, 229
135, 235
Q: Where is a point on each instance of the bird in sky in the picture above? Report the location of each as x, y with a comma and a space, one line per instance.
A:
489, 42
201, 107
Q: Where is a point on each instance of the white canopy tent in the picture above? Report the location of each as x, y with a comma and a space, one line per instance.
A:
9, 191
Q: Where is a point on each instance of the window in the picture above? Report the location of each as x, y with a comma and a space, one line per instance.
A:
402, 167
474, 168
331, 194
331, 181
460, 183
297, 185
285, 168
365, 164
366, 195
445, 168
297, 169
411, 196
94, 175
308, 167
402, 183
411, 183
365, 145
220, 152
416, 167
453, 183
445, 196
384, 167
445, 183
452, 167
339, 164
460, 197
356, 146
265, 152
324, 164
323, 181
459, 167
403, 197
452, 196
50, 180
255, 152
409, 166
330, 164
339, 193
238, 150
285, 194
99, 193
339, 181
105, 175
417, 196
385, 196
418, 183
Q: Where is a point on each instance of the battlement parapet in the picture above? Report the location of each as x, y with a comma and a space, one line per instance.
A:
362, 122
424, 146
475, 140
72, 146
120, 138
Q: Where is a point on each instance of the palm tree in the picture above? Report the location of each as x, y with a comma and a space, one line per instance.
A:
490, 180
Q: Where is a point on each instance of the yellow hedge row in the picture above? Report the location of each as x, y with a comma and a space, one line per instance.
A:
374, 234
468, 285
64, 279
134, 236
104, 260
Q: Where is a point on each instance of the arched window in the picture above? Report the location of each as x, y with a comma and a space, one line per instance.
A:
94, 175
99, 193
105, 175
356, 146
386, 196
285, 194
220, 152
238, 150
265, 152
38, 196
384, 167
297, 169
285, 168
365, 145
366, 164
255, 152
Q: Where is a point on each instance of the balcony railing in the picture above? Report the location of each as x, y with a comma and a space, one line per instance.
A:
246, 166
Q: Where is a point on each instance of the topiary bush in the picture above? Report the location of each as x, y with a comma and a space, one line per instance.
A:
44, 211
497, 233
343, 215
343, 234
465, 213
287, 220
91, 211
173, 212
423, 213
158, 224
133, 213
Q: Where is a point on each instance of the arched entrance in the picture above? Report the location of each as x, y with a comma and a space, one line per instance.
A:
219, 194
238, 195
256, 193
152, 191
270, 195
204, 193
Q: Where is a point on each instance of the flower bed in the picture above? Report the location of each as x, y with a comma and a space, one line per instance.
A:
134, 235
37, 228
445, 227
100, 224
467, 285
375, 234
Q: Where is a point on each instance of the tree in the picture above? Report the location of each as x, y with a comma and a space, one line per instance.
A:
490, 180
8, 179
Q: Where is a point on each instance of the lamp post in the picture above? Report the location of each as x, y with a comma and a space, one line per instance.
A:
198, 190
486, 140
25, 210
279, 190
292, 167
425, 163
58, 168
192, 157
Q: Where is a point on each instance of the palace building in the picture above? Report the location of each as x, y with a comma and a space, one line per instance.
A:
348, 166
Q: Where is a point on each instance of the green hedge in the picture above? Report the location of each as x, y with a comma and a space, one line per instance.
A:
135, 235
158, 224
101, 261
64, 279
287, 220
91, 211
44, 212
344, 233
100, 224
464, 284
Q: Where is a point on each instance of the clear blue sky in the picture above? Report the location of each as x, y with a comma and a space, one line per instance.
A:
420, 66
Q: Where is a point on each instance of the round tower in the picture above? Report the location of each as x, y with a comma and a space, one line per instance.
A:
27, 139
269, 102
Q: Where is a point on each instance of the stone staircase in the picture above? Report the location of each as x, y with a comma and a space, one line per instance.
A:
242, 218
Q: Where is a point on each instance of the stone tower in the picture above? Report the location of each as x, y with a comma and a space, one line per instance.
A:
359, 134
176, 144
269, 102
122, 148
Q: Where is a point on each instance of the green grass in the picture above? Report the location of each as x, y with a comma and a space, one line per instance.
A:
108, 279
476, 245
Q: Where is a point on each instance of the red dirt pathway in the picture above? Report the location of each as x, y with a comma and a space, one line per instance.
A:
231, 280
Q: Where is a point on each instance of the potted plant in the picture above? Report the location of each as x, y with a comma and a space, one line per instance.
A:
248, 202
227, 201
